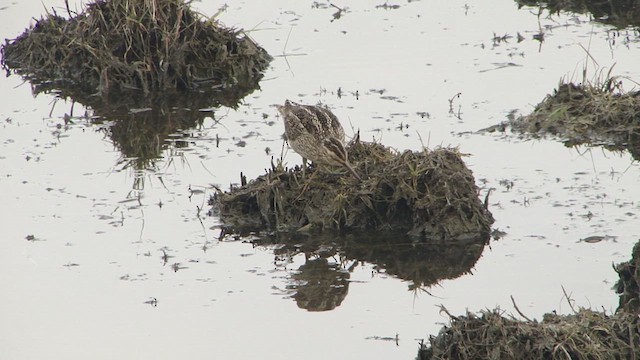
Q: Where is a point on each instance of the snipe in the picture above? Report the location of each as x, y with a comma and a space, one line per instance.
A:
315, 133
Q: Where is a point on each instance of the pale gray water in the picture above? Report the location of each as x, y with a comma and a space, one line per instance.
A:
79, 290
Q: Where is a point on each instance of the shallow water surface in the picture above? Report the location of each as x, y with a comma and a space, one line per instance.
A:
102, 261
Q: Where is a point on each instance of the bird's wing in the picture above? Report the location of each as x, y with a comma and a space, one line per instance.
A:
332, 124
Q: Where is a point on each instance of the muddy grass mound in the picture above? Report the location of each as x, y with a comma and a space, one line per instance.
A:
134, 44
583, 335
628, 286
429, 193
586, 114
619, 13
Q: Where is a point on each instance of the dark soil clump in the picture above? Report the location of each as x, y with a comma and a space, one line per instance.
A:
136, 45
430, 194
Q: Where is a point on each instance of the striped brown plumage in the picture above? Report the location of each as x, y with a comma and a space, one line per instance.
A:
315, 133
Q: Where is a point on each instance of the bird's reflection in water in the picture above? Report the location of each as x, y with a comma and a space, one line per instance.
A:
320, 285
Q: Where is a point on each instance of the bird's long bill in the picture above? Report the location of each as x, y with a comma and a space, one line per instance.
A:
338, 153
348, 166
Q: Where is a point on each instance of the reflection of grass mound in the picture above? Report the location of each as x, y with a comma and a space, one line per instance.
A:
427, 193
422, 264
135, 44
142, 126
586, 114
584, 335
142, 135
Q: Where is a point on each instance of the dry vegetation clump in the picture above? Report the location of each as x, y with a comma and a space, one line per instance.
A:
628, 286
587, 114
619, 13
584, 335
430, 193
142, 45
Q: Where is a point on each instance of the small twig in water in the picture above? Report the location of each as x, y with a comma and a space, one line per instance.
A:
338, 14
451, 111
513, 301
569, 300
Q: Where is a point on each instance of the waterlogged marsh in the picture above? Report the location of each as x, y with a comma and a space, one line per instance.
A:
89, 242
